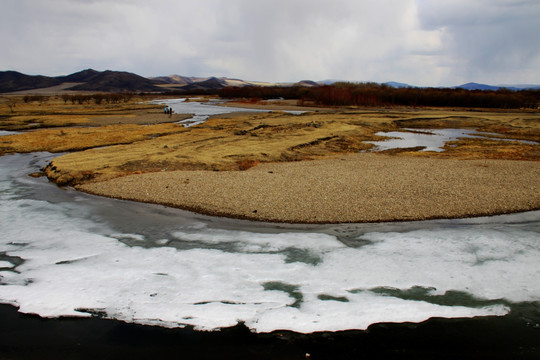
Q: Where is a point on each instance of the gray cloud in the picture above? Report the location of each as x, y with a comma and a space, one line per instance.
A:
488, 41
425, 42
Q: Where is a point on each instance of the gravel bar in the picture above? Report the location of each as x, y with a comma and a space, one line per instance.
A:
363, 187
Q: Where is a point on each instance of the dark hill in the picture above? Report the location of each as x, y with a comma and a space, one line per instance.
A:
306, 83
81, 76
211, 84
175, 79
15, 81
92, 80
117, 81
396, 84
476, 86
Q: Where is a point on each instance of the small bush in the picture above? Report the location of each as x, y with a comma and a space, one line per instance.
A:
246, 164
39, 98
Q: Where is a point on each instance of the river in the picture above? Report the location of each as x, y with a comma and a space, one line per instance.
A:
203, 110
65, 253
141, 280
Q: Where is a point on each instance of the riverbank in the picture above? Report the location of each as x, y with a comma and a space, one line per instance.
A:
365, 187
318, 167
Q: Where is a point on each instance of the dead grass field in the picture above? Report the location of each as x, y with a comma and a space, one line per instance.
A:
238, 141
17, 115
81, 138
58, 127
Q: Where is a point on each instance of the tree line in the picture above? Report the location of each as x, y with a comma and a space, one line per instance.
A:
373, 94
109, 98
100, 98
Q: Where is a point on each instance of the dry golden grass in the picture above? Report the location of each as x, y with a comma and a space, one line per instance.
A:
58, 127
75, 139
15, 114
237, 142
221, 144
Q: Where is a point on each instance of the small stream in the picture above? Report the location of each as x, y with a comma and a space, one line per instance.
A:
431, 139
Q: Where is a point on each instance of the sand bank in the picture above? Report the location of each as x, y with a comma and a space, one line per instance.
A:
363, 187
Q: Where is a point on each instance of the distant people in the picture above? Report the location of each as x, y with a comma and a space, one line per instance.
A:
170, 111
166, 110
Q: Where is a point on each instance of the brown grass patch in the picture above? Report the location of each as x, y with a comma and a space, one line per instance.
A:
15, 114
242, 141
76, 139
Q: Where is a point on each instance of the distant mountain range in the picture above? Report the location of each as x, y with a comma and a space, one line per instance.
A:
86, 80
476, 86
119, 81
467, 86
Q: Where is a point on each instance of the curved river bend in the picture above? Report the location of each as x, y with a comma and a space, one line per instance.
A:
68, 253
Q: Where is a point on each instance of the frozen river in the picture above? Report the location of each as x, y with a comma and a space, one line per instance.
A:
67, 253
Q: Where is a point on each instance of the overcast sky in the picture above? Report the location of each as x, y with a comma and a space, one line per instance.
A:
419, 42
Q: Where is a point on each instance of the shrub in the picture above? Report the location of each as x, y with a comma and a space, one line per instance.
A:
246, 164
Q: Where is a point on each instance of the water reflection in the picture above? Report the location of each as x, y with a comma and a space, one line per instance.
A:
4, 133
431, 139
203, 110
